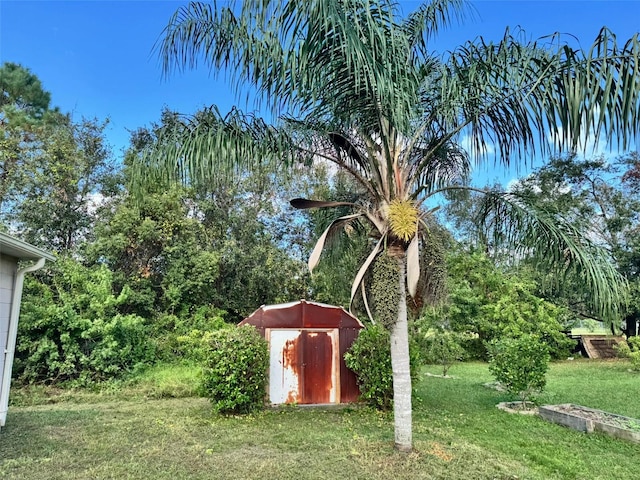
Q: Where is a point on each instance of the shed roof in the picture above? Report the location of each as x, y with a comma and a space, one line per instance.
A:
17, 248
302, 314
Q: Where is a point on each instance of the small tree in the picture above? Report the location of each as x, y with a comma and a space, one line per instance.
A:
442, 347
520, 365
235, 371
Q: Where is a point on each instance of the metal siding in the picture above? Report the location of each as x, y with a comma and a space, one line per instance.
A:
303, 366
302, 314
325, 365
318, 316
285, 365
8, 267
319, 374
349, 391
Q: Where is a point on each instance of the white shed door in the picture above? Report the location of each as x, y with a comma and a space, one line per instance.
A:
303, 366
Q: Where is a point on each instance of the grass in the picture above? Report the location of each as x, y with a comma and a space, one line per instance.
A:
141, 431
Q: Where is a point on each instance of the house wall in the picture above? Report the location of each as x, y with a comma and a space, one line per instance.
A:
8, 268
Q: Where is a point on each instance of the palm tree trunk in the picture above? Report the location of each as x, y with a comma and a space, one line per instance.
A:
400, 367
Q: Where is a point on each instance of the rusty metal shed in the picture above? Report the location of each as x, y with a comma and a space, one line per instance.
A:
307, 343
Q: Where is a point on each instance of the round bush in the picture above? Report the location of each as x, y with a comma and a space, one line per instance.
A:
519, 364
370, 358
235, 370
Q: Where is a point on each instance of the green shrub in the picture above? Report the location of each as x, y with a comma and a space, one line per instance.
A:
186, 336
370, 358
519, 364
235, 370
631, 350
70, 329
441, 347
485, 301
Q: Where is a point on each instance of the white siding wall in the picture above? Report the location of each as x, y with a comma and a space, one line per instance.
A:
8, 267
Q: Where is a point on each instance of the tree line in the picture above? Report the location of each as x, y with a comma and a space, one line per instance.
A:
172, 259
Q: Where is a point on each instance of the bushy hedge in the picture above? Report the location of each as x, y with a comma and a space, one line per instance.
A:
441, 347
235, 370
70, 329
519, 364
370, 358
185, 336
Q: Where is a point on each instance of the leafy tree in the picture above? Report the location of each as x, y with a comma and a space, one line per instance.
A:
24, 108
441, 347
155, 250
182, 248
51, 168
22, 91
486, 303
601, 197
62, 185
355, 83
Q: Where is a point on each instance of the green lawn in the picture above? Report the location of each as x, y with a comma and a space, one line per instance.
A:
458, 433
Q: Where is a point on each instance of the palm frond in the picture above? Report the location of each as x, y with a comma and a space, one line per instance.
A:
430, 18
318, 55
439, 168
413, 265
521, 230
365, 266
314, 258
523, 97
210, 148
303, 204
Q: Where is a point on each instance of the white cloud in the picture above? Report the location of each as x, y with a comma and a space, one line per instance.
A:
467, 144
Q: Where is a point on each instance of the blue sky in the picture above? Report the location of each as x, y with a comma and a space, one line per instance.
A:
95, 57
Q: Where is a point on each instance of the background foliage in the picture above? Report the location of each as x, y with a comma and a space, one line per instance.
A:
143, 279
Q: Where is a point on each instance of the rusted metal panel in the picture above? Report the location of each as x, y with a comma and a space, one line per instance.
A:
285, 365
319, 378
320, 316
302, 314
349, 391
304, 366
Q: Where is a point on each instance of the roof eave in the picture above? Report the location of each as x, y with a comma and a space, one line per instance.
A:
14, 247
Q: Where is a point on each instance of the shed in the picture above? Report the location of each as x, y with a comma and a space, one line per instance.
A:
12, 251
307, 343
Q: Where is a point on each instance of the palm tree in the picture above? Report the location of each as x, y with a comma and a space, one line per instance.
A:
354, 83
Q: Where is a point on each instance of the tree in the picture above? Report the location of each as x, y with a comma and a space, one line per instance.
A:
599, 196
51, 168
23, 108
62, 183
355, 83
485, 303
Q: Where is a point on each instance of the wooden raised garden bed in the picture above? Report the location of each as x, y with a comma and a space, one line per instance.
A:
590, 420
